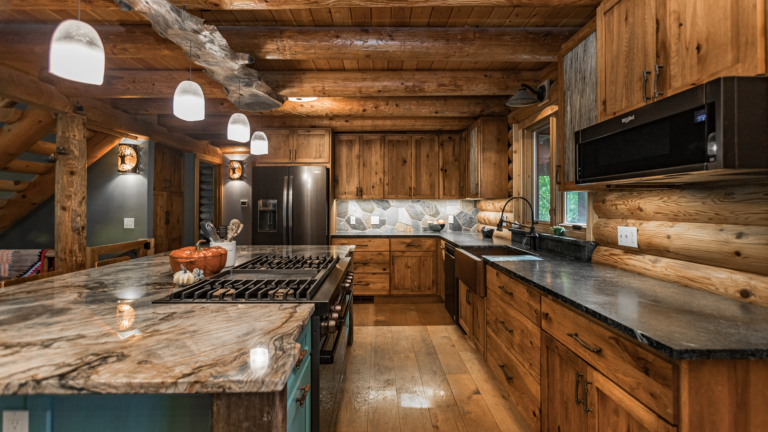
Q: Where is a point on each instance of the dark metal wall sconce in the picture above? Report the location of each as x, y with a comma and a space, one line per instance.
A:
236, 170
128, 158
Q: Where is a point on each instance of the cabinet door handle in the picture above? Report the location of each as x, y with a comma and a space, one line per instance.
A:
301, 358
303, 397
584, 344
506, 375
587, 409
505, 327
167, 217
656, 92
467, 298
645, 84
501, 287
578, 376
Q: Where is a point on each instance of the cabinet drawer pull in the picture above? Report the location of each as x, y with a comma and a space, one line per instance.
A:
645, 84
303, 397
505, 327
501, 287
587, 409
362, 284
361, 245
301, 358
656, 92
506, 375
584, 344
578, 376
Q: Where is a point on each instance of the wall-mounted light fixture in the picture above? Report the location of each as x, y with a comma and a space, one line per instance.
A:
128, 158
235, 170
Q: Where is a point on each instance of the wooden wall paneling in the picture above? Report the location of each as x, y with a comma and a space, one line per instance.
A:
346, 178
732, 393
372, 166
426, 167
451, 147
734, 284
517, 179
312, 146
168, 202
736, 247
592, 216
280, 147
473, 166
579, 99
398, 167
71, 193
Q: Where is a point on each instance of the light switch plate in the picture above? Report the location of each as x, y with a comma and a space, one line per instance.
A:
351, 219
128, 223
243, 203
15, 421
628, 236
374, 220
450, 218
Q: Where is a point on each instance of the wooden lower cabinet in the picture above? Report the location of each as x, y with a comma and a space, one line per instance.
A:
465, 308
478, 336
371, 283
563, 375
413, 272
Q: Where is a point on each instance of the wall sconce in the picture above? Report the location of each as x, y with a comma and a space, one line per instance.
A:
128, 158
235, 170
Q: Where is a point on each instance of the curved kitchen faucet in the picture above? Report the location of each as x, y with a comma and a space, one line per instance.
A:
531, 234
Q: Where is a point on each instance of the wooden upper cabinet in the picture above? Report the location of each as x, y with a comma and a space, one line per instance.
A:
398, 168
425, 167
372, 166
626, 53
487, 159
701, 40
312, 146
452, 159
346, 167
280, 147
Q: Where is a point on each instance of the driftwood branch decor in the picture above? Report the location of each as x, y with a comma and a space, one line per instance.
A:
205, 46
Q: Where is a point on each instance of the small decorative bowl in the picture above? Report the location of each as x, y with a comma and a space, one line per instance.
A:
558, 230
435, 227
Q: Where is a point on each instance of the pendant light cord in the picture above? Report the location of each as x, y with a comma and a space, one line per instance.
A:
190, 60
78, 10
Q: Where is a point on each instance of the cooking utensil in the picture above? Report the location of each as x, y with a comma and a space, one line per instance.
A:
234, 229
211, 233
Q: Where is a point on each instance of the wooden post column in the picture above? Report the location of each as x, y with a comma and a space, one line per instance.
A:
70, 193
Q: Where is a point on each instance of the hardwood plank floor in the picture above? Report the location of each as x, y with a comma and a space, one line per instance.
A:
411, 369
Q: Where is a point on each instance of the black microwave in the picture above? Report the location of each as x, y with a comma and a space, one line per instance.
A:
714, 131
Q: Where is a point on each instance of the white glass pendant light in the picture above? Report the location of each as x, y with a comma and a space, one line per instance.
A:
76, 52
259, 143
188, 100
238, 129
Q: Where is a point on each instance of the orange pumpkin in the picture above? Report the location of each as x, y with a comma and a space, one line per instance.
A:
209, 260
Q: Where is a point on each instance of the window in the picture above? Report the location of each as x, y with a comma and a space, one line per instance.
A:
575, 208
543, 164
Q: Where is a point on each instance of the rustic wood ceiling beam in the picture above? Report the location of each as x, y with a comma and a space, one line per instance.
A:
205, 46
214, 128
296, 4
162, 84
16, 138
530, 44
438, 106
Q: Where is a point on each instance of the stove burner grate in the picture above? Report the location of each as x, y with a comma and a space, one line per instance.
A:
277, 262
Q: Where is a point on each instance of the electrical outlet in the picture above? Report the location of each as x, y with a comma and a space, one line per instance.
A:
15, 421
450, 218
128, 223
374, 220
352, 219
628, 236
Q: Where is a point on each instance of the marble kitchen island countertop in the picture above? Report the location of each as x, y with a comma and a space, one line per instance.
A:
66, 335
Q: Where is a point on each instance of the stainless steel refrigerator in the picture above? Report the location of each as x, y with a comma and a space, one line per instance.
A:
291, 204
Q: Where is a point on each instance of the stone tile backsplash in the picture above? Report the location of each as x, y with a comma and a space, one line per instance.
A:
404, 215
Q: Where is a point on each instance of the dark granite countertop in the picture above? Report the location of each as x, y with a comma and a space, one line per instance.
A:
681, 322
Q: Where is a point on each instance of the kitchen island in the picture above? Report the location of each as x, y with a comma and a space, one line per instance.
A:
97, 332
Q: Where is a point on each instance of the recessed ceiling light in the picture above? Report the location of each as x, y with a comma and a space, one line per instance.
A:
302, 99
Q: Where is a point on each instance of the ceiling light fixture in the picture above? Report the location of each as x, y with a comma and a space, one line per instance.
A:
527, 96
238, 129
302, 99
76, 52
188, 100
259, 143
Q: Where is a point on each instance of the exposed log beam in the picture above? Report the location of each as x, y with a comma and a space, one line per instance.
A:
13, 185
41, 187
208, 48
10, 115
296, 4
16, 138
530, 44
25, 167
215, 127
162, 84
42, 148
334, 107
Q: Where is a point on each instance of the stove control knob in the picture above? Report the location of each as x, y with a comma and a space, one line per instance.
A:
328, 326
336, 308
334, 316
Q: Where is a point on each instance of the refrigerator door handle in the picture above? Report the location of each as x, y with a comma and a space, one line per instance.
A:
285, 210
290, 210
